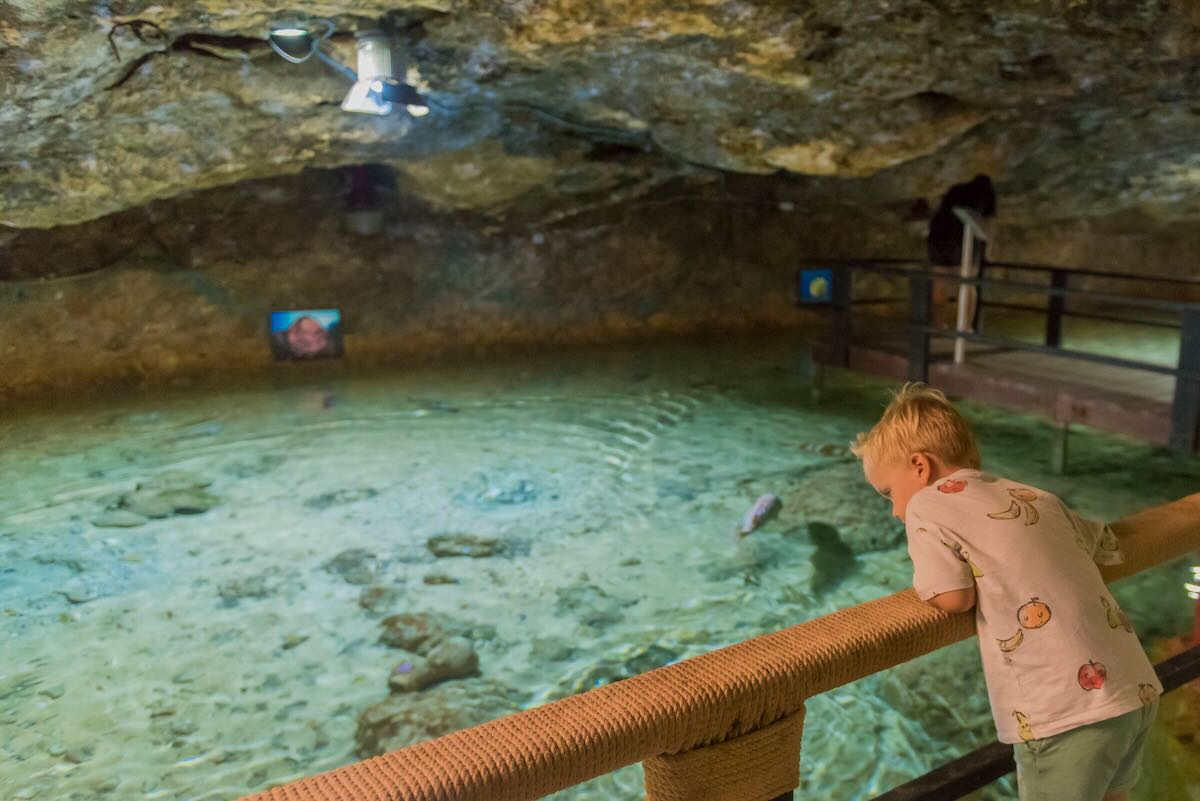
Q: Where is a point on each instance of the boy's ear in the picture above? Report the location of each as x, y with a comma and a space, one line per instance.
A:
921, 463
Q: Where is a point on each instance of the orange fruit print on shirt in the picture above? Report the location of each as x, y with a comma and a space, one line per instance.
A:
1034, 614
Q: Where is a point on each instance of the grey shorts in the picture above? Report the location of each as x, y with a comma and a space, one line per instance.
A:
1086, 763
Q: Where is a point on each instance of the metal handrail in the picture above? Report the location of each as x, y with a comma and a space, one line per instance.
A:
983, 766
1013, 265
1101, 297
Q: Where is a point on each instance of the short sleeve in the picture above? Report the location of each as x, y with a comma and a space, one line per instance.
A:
938, 562
1097, 538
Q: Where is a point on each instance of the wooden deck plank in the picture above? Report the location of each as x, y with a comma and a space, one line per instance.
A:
1114, 399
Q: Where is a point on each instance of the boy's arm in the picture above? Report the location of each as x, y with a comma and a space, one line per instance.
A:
954, 601
940, 567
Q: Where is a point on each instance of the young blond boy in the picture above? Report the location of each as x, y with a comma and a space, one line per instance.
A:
1069, 684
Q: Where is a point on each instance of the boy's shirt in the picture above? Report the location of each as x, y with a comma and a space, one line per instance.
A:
1058, 652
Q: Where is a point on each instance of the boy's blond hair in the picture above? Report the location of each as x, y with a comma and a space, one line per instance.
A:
919, 420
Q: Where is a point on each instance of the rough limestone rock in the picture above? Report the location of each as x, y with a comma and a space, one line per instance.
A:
451, 658
461, 544
407, 718
108, 106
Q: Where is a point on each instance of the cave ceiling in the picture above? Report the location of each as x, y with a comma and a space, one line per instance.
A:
1077, 109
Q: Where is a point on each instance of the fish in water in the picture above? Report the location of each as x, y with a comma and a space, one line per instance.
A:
762, 512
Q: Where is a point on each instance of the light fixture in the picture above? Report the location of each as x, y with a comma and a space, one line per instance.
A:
376, 90
390, 90
299, 41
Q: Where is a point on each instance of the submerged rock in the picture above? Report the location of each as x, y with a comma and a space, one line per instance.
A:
189, 501
411, 631
171, 480
608, 671
460, 544
403, 719
119, 518
355, 566
340, 498
254, 467
484, 493
378, 598
235, 590
451, 658
148, 503
170, 493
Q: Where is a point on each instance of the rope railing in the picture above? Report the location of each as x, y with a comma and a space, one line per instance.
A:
723, 726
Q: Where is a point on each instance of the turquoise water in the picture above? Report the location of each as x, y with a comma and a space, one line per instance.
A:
229, 640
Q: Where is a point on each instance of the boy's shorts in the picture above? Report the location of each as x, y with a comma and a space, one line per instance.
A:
1086, 763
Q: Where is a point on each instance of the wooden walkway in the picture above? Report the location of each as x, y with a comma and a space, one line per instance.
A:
1114, 399
1098, 387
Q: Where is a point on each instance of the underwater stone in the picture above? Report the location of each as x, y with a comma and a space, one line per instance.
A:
378, 598
340, 498
182, 728
550, 649
148, 503
482, 493
78, 595
254, 467
458, 544
235, 590
654, 657
437, 579
190, 501
407, 718
452, 658
608, 671
292, 640
172, 480
119, 518
409, 631
54, 691
355, 566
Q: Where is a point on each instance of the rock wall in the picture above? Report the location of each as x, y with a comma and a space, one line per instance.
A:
182, 288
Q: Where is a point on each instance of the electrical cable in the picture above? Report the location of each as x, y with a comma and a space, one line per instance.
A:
315, 45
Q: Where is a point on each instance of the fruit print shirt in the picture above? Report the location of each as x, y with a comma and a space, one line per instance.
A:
1058, 652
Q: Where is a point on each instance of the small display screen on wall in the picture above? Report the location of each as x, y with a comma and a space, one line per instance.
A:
306, 334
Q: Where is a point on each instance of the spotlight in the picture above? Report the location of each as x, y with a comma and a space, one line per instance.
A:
298, 41
390, 90
377, 91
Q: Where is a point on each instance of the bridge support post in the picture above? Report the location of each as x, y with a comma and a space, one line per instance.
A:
1058, 449
1185, 412
920, 305
1056, 305
763, 765
839, 320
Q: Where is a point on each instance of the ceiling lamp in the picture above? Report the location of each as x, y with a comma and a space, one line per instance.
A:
297, 41
376, 89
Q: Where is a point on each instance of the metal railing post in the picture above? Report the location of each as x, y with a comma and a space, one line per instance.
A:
1055, 308
1185, 411
839, 321
920, 306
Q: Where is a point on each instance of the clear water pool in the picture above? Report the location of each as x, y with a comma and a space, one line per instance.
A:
230, 641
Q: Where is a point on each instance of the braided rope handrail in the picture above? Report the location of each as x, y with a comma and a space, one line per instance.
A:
735, 692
